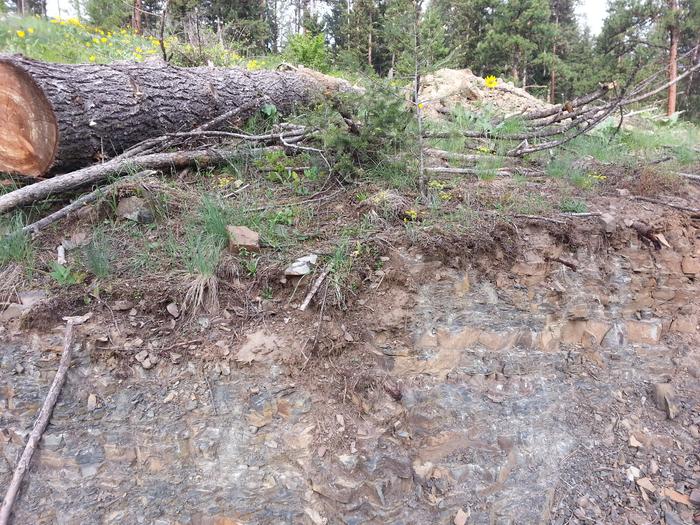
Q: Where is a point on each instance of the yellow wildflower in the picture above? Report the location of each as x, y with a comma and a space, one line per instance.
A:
139, 50
138, 57
420, 105
123, 31
103, 40
96, 40
491, 81
53, 21
21, 33
411, 214
88, 44
92, 58
30, 30
252, 65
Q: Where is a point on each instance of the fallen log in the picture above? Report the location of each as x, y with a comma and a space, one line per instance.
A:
122, 166
65, 116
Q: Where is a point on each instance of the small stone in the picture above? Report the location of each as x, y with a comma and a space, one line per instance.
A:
646, 484
461, 517
691, 265
646, 332
52, 441
583, 502
608, 222
694, 431
633, 473
173, 310
341, 420
634, 442
169, 397
31, 297
147, 363
695, 497
665, 401
122, 306
653, 467
135, 209
141, 356
175, 358
243, 238
302, 266
225, 369
92, 402
505, 443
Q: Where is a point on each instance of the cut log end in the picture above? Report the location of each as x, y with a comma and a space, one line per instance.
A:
29, 131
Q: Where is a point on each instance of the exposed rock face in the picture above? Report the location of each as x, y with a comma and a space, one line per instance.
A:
479, 392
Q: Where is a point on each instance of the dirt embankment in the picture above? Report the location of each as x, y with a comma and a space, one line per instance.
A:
552, 383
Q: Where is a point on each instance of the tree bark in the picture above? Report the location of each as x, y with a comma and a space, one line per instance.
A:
673, 59
65, 116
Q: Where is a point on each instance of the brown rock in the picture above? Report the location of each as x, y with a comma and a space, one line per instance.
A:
527, 268
646, 484
687, 324
647, 332
663, 393
691, 265
695, 497
243, 238
135, 209
608, 222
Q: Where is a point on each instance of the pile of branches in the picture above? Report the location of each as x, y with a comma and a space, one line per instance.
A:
555, 126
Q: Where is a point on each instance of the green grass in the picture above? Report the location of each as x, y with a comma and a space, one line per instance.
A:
570, 205
15, 246
71, 41
98, 254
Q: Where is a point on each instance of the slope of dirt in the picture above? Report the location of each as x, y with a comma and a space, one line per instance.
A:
512, 388
447, 88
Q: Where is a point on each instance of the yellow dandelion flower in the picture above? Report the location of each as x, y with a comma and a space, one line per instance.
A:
62, 22
123, 31
53, 21
92, 58
30, 30
96, 40
21, 33
138, 50
138, 57
88, 44
491, 81
103, 40
420, 105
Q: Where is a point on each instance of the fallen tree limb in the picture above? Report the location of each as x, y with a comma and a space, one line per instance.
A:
39, 426
694, 211
78, 203
122, 166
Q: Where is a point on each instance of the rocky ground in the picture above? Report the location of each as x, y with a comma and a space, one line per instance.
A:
559, 385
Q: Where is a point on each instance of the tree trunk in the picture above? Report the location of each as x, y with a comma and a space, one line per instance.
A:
136, 17
63, 116
673, 59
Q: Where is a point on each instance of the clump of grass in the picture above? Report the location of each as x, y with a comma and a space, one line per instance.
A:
15, 246
570, 205
98, 255
487, 168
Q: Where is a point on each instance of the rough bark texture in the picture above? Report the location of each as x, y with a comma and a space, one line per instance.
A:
673, 59
101, 110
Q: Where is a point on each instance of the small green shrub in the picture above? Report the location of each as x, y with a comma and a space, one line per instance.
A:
308, 50
570, 205
64, 276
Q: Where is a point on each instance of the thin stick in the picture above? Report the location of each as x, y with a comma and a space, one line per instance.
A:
312, 292
39, 426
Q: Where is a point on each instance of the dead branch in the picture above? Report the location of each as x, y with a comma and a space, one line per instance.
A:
39, 426
122, 166
78, 203
314, 289
664, 203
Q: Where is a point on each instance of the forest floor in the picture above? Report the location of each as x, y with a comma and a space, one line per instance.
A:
520, 350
